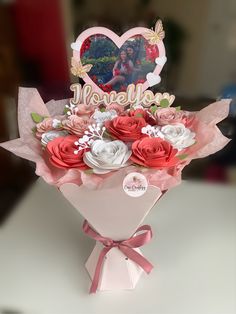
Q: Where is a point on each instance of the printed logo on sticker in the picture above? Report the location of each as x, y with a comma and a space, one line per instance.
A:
135, 184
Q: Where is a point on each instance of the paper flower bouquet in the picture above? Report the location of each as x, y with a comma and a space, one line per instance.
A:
115, 148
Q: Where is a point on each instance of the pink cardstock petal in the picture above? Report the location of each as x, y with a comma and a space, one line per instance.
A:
158, 178
112, 213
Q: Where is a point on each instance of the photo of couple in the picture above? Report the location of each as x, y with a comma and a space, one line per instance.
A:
126, 69
114, 68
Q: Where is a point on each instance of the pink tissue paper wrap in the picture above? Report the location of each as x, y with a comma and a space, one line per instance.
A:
209, 141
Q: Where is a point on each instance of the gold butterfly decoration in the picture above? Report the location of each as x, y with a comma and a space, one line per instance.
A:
77, 69
156, 35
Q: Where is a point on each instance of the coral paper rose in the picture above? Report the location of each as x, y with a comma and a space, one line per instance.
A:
154, 152
125, 128
141, 113
61, 152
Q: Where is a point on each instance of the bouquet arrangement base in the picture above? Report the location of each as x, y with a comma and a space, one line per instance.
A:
113, 219
115, 148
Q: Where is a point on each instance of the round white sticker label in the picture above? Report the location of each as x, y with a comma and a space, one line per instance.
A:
135, 184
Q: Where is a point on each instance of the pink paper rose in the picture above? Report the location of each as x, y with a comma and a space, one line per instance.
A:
44, 126
119, 109
61, 153
84, 110
170, 115
76, 125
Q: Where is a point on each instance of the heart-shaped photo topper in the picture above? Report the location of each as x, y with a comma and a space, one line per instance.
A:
109, 62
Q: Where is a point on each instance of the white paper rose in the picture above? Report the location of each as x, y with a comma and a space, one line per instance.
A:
178, 135
51, 135
107, 156
102, 116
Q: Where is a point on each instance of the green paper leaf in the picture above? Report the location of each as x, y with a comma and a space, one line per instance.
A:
140, 167
106, 134
103, 109
37, 118
138, 115
164, 103
153, 109
34, 129
88, 171
182, 157
66, 110
177, 108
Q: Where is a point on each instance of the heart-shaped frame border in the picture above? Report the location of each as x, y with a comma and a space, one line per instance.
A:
119, 41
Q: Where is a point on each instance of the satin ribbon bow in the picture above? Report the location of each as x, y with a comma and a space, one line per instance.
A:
125, 246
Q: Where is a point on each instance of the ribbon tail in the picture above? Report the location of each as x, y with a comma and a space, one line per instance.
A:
137, 258
98, 269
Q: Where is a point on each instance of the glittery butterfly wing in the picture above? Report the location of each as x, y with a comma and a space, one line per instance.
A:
156, 35
77, 69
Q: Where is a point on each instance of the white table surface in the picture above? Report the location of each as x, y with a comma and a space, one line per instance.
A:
43, 250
